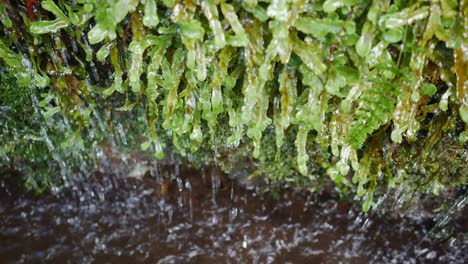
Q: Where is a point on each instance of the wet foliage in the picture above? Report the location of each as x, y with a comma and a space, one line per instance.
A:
369, 95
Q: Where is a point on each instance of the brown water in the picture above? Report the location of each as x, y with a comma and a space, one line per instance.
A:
202, 217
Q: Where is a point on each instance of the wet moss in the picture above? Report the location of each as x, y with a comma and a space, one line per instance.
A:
357, 93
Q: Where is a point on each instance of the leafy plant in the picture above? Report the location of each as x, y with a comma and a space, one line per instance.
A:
327, 77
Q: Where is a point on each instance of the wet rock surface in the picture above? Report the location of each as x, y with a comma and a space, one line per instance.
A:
187, 216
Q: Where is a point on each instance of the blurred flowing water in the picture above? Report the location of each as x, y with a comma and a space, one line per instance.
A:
177, 215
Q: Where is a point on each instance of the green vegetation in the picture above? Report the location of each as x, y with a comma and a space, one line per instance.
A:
368, 94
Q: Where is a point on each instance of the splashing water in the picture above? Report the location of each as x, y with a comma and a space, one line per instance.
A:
152, 219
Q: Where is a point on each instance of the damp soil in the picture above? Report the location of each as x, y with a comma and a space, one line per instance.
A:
188, 216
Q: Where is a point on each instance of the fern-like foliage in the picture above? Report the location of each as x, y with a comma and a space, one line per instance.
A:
375, 107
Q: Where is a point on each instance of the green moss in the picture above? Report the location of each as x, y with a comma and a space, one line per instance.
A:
305, 91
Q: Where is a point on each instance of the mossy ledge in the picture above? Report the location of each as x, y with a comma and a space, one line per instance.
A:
366, 94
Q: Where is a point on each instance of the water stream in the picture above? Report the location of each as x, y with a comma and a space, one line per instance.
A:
178, 215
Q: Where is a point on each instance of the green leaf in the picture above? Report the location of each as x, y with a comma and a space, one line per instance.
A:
145, 145
309, 54
393, 35
302, 157
49, 5
150, 19
241, 38
404, 17
108, 15
278, 10
82, 16
428, 89
108, 92
211, 13
259, 12
375, 108
192, 30
4, 18
43, 27
104, 51
364, 44
51, 111
318, 27
98, 33
367, 205
128, 106
464, 113
17, 64
331, 5
464, 137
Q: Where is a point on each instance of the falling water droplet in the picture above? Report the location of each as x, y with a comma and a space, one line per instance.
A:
215, 183
188, 186
180, 186
244, 242
121, 132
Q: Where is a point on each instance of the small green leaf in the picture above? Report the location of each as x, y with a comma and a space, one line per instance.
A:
4, 18
127, 107
310, 56
211, 13
150, 18
464, 136
393, 35
428, 89
464, 113
415, 96
331, 5
256, 10
366, 206
51, 111
404, 17
97, 34
103, 52
318, 27
49, 5
364, 44
43, 27
278, 10
145, 145
192, 30
108, 92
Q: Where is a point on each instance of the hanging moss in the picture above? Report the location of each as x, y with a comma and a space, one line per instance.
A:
350, 90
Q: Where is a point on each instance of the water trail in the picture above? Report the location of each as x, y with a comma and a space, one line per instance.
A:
121, 132
231, 196
92, 65
177, 168
203, 175
180, 198
98, 118
233, 211
47, 140
170, 213
103, 162
215, 184
74, 45
188, 186
63, 54
403, 199
443, 218
155, 171
233, 214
